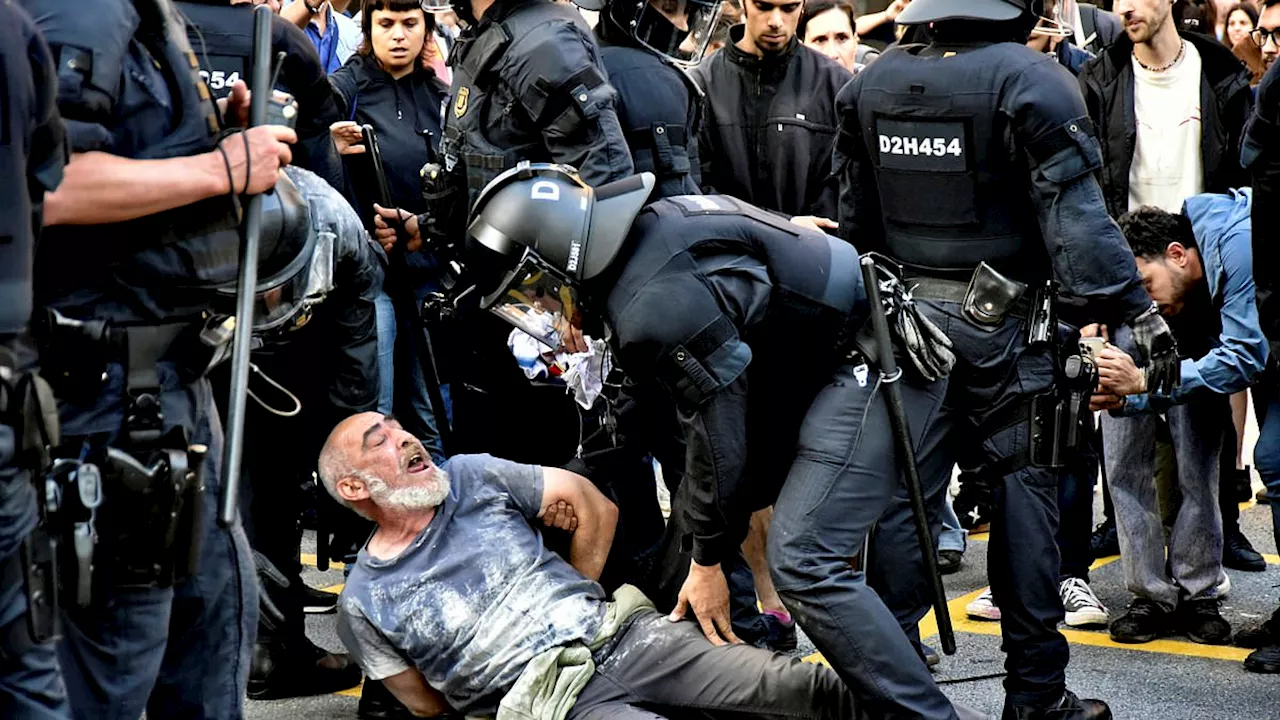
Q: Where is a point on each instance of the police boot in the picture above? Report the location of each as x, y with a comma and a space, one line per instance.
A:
299, 669
1069, 707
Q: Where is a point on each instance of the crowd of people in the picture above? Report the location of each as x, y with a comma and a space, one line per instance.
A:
522, 262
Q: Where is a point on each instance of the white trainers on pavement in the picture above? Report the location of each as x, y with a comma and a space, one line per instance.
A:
984, 607
1081, 605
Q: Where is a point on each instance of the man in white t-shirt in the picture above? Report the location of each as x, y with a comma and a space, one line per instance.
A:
1169, 109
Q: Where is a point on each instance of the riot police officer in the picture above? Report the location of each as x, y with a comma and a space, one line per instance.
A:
645, 51
32, 154
968, 162
221, 34
528, 84
140, 247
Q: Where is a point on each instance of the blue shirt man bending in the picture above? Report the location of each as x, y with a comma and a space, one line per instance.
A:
1198, 268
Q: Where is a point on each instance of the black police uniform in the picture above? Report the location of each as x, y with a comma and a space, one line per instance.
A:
222, 37
127, 360
949, 156
31, 160
528, 84
762, 306
660, 108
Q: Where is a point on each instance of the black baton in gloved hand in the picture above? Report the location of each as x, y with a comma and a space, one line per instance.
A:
237, 405
890, 373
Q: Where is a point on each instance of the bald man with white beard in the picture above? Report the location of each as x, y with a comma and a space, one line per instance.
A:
457, 606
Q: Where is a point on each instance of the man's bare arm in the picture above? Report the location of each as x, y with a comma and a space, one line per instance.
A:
597, 518
411, 689
99, 188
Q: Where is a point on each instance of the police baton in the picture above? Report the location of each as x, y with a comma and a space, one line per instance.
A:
890, 373
403, 298
237, 405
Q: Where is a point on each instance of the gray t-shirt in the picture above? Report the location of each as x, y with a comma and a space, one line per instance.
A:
477, 594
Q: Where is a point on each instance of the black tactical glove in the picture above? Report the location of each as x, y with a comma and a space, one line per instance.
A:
1157, 352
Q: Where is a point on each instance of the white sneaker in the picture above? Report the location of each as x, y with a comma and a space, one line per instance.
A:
1224, 587
1081, 605
984, 607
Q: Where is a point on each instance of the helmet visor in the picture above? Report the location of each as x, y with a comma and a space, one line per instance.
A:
1057, 19
538, 299
679, 29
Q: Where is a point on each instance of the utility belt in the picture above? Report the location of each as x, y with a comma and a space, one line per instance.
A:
986, 297
132, 512
75, 355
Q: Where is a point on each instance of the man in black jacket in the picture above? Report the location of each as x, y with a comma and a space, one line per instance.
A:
1108, 83
771, 115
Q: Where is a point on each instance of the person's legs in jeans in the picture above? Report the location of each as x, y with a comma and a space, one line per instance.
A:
843, 478
1195, 544
1130, 461
386, 319
952, 537
655, 668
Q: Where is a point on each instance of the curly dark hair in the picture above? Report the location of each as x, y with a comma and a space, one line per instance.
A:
1150, 230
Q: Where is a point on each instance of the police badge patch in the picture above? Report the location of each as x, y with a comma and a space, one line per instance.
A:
460, 102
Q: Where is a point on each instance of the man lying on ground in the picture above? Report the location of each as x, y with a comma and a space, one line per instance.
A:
457, 605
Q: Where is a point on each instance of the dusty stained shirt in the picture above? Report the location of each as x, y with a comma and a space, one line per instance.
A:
475, 597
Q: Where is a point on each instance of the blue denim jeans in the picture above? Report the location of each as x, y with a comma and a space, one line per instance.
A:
178, 652
1192, 568
31, 686
386, 319
952, 537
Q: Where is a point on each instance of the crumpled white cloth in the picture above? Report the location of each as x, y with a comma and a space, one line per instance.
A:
583, 373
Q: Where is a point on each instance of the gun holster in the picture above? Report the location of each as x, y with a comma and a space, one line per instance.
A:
1057, 415
150, 521
445, 196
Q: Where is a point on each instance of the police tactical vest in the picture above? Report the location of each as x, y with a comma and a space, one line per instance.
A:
816, 293
953, 190
486, 127
222, 38
660, 116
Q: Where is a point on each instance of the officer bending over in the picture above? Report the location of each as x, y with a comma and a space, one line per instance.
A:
732, 313
140, 237
32, 153
969, 162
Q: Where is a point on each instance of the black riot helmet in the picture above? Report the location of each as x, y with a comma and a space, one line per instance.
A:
678, 29
548, 231
921, 12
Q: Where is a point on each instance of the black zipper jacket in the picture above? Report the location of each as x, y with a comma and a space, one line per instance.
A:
400, 111
770, 126
1225, 104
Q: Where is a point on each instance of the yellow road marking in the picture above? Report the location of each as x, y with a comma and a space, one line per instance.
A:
352, 692
334, 588
961, 623
309, 559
